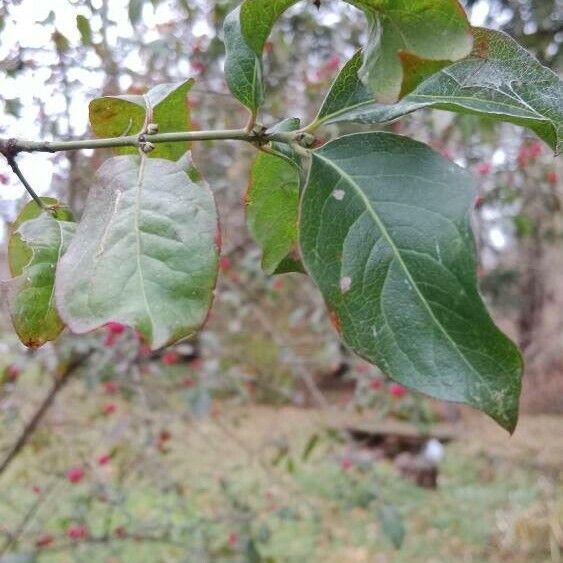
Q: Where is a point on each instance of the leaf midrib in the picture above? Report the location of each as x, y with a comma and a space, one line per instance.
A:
398, 256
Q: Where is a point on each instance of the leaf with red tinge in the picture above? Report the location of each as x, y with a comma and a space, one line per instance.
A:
144, 254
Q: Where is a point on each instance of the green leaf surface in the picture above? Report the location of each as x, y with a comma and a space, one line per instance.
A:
144, 253
500, 80
30, 294
272, 200
19, 253
392, 524
165, 104
385, 234
135, 11
83, 26
430, 29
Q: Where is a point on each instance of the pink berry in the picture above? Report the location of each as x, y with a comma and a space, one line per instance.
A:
375, 384
224, 263
75, 474
484, 168
170, 358
232, 539
77, 532
104, 459
109, 408
111, 388
346, 464
115, 328
396, 390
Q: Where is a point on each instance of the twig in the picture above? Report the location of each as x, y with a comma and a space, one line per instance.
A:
14, 166
31, 426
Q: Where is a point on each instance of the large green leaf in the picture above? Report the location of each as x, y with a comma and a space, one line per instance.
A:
144, 253
165, 104
42, 239
385, 234
499, 79
437, 30
429, 29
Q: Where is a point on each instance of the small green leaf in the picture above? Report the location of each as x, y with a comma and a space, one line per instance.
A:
271, 208
500, 79
392, 524
42, 239
246, 30
429, 29
165, 104
272, 200
83, 26
19, 254
144, 253
385, 234
135, 11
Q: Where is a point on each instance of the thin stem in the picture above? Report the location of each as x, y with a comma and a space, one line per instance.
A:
14, 166
13, 146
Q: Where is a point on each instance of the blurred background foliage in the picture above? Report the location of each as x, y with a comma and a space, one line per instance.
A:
195, 454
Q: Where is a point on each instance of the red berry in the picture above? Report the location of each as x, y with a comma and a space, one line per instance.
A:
115, 328
188, 382
396, 390
552, 177
224, 263
44, 541
170, 358
196, 364
535, 149
333, 62
346, 464
197, 66
375, 384
109, 408
232, 539
278, 284
111, 388
36, 489
104, 459
75, 474
77, 532
12, 372
484, 168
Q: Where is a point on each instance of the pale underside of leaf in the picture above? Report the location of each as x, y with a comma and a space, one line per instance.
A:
384, 233
500, 80
144, 253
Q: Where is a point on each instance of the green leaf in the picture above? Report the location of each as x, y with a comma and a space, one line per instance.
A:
272, 201
135, 11
392, 524
499, 79
385, 234
246, 30
165, 104
83, 26
144, 253
437, 30
19, 254
42, 239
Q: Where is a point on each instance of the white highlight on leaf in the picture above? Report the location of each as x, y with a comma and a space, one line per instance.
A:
338, 194
345, 284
